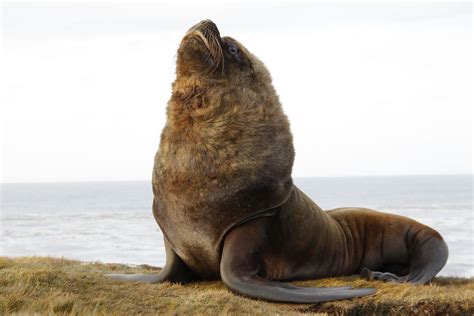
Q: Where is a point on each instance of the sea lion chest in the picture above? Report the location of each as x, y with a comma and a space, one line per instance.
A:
195, 212
195, 227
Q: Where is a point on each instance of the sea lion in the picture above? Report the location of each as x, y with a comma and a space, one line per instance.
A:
226, 203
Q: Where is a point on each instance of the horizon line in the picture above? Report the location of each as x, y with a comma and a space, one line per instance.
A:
294, 177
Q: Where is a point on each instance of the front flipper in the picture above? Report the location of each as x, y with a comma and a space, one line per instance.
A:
175, 270
240, 270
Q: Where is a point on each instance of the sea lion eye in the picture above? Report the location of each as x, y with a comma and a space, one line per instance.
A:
233, 50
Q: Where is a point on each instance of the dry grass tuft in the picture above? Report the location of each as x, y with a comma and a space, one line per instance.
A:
63, 287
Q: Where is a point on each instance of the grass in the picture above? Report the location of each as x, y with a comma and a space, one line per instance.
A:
46, 285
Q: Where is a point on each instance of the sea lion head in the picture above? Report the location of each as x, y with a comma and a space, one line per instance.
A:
214, 71
204, 54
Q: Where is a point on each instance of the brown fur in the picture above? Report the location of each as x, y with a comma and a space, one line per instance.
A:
226, 203
211, 147
226, 154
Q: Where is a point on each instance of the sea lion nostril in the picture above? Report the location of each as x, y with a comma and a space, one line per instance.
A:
206, 23
206, 26
210, 26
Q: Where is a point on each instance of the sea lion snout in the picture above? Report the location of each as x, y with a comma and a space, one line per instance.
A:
201, 50
206, 31
205, 26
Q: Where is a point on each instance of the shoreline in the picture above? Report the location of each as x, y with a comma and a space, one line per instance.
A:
48, 285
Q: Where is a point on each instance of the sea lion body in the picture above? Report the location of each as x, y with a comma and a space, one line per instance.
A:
226, 203
306, 242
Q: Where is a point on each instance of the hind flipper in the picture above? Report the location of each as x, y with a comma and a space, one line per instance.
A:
428, 254
383, 276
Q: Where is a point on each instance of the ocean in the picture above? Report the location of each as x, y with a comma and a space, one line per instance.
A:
112, 221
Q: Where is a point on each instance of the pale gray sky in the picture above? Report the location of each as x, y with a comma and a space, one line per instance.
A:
370, 89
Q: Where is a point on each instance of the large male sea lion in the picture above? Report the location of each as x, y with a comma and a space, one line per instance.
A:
226, 204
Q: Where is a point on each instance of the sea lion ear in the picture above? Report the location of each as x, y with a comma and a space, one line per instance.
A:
190, 97
252, 69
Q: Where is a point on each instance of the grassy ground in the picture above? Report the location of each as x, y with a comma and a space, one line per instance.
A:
59, 286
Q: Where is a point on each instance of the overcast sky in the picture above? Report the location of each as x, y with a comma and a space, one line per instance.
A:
370, 89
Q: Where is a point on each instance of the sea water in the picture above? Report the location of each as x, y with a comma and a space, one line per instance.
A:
112, 221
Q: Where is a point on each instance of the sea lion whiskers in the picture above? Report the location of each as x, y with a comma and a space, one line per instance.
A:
211, 54
214, 47
214, 50
218, 54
